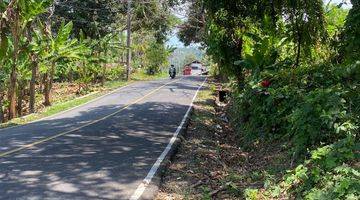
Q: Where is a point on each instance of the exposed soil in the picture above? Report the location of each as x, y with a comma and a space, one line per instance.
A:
211, 163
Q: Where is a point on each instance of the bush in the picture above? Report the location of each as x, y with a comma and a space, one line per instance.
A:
328, 174
317, 109
312, 105
156, 57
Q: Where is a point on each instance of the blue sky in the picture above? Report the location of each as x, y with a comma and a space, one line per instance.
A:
174, 40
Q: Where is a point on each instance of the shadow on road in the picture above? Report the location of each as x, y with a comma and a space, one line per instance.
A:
106, 160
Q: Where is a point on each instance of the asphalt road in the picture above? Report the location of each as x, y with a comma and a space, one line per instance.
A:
101, 150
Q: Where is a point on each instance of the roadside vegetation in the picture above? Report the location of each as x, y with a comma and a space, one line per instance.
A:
55, 51
293, 72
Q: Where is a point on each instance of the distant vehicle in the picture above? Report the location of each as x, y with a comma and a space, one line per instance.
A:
187, 71
195, 68
172, 72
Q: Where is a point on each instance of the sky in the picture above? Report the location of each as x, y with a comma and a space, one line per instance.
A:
347, 5
174, 40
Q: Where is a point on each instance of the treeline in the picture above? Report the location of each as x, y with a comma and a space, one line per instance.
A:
46, 41
295, 73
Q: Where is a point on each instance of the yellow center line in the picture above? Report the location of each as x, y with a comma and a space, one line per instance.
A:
27, 146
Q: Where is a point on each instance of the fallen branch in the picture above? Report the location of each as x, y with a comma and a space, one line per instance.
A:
200, 182
215, 192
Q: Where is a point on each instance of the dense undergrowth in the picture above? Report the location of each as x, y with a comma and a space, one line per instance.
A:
315, 111
294, 73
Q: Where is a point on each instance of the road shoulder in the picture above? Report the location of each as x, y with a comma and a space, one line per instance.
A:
211, 162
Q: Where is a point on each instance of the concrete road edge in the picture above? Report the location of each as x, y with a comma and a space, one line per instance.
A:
151, 189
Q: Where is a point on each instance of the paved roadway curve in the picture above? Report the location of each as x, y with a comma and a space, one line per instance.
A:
101, 150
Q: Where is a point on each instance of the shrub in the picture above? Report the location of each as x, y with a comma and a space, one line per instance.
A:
328, 174
311, 105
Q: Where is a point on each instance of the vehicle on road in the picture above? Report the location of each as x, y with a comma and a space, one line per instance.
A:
195, 68
187, 71
172, 76
172, 72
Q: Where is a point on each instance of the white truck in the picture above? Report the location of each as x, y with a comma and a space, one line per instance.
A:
196, 69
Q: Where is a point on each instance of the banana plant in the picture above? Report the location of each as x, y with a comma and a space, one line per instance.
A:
53, 49
264, 53
24, 76
15, 17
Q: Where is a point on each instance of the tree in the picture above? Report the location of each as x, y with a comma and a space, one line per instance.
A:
94, 18
156, 57
351, 38
17, 14
227, 22
43, 41
53, 49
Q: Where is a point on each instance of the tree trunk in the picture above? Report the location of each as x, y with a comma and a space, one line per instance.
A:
12, 93
2, 119
71, 76
20, 99
298, 49
239, 72
33, 84
240, 80
298, 38
104, 70
47, 95
52, 73
103, 76
48, 83
13, 74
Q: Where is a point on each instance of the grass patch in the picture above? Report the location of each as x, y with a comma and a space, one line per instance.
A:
143, 76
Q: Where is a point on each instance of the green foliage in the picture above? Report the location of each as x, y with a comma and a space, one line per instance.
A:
327, 174
98, 18
45, 41
335, 19
251, 194
292, 67
309, 107
319, 107
156, 57
95, 19
228, 22
352, 31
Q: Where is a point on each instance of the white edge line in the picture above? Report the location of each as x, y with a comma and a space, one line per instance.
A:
141, 188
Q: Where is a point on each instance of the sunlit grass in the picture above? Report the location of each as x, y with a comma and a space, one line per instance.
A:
143, 76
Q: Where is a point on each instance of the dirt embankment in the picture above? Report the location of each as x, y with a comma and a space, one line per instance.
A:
211, 162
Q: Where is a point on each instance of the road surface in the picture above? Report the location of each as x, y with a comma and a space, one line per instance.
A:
101, 150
